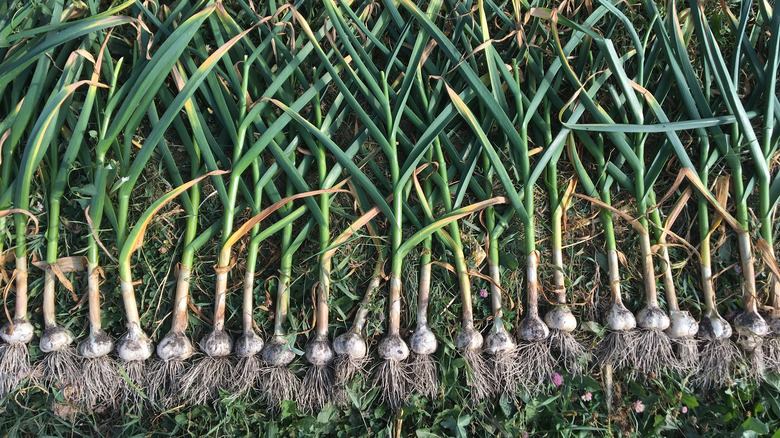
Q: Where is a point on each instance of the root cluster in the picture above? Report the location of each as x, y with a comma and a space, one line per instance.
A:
687, 350
133, 387
394, 381
756, 364
424, 368
505, 374
535, 365
480, 379
14, 366
100, 383
772, 353
718, 361
246, 376
318, 384
345, 369
616, 349
62, 367
569, 353
165, 377
653, 352
204, 380
279, 383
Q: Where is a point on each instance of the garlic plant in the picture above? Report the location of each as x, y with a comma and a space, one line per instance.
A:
571, 354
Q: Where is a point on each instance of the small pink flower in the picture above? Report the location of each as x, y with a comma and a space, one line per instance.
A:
587, 397
685, 409
557, 379
483, 293
738, 269
638, 407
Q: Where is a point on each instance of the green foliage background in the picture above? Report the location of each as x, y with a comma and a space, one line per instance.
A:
575, 408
